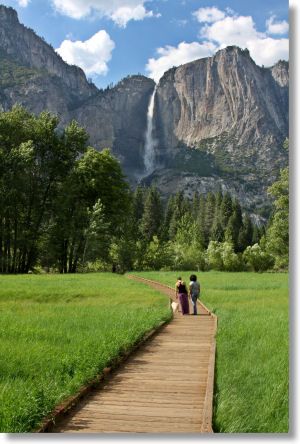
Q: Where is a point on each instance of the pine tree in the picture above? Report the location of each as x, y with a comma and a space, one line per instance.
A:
165, 231
201, 220
226, 210
210, 211
195, 205
234, 225
178, 211
245, 234
153, 215
138, 203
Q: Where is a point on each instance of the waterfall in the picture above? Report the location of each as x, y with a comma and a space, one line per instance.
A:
150, 142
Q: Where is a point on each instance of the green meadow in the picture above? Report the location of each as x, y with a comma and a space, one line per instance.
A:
252, 373
57, 332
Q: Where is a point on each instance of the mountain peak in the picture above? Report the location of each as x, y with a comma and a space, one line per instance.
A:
8, 14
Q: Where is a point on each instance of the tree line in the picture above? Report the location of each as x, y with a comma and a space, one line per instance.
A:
65, 207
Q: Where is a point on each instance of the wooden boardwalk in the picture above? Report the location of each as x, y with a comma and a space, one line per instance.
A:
166, 386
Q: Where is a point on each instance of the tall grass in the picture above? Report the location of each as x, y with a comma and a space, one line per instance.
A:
59, 332
251, 383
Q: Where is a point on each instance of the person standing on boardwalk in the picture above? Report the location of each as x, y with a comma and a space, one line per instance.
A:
182, 295
194, 291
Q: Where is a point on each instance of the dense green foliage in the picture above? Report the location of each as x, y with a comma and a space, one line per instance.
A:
55, 194
67, 207
58, 332
277, 239
252, 361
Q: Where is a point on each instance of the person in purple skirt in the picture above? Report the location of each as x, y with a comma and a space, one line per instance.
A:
182, 294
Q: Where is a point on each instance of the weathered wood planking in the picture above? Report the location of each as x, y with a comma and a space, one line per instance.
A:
164, 387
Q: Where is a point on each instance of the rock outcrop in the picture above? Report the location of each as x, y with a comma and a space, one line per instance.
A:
219, 122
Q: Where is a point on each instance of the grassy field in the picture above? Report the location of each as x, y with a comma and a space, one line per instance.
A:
251, 391
58, 332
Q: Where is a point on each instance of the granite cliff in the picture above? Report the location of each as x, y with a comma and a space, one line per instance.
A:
218, 122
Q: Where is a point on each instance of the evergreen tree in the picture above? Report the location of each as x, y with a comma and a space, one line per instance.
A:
152, 217
245, 234
234, 225
165, 232
201, 220
138, 204
210, 214
226, 210
178, 211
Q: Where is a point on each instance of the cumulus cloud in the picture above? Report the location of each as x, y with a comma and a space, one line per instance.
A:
170, 56
92, 55
231, 31
220, 29
208, 15
23, 3
273, 27
241, 31
120, 11
124, 14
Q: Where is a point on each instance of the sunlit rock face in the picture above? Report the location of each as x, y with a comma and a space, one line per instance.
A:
217, 122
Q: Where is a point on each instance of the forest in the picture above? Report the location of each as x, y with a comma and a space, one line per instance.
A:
66, 207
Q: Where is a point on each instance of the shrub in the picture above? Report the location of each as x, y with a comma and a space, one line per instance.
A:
258, 259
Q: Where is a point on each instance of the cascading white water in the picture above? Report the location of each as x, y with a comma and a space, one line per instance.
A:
150, 142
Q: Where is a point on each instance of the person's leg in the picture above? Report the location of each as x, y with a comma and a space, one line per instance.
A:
194, 302
181, 304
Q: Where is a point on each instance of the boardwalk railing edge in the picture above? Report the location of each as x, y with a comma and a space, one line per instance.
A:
61, 410
208, 403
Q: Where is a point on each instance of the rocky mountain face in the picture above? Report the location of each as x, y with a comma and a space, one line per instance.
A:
218, 122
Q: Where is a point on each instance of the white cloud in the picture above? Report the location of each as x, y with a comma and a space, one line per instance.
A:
276, 27
120, 11
23, 3
268, 51
122, 15
241, 31
170, 56
231, 31
92, 55
208, 15
221, 29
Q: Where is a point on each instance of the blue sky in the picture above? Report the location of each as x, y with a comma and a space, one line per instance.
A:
110, 39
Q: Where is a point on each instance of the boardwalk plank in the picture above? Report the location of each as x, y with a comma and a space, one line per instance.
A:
165, 387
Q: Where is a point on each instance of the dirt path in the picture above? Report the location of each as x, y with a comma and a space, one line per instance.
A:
166, 386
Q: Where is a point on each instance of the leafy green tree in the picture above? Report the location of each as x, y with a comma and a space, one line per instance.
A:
35, 159
157, 255
258, 259
231, 261
277, 237
96, 193
214, 255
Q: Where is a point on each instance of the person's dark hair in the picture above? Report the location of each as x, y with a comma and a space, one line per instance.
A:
179, 278
193, 277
